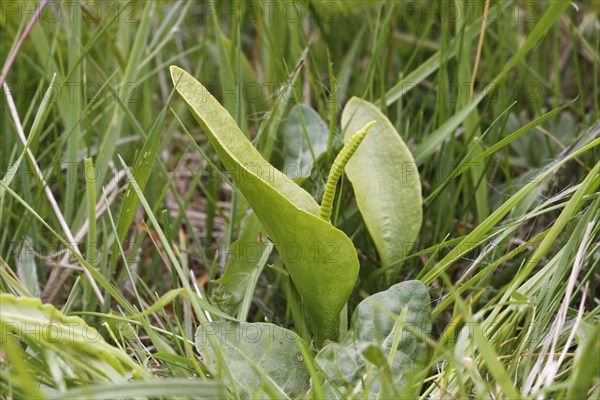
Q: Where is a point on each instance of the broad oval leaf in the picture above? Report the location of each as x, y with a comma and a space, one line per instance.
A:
305, 139
258, 355
386, 183
374, 320
320, 258
395, 321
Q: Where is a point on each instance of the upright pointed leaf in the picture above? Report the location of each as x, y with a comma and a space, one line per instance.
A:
141, 172
27, 268
321, 259
385, 181
241, 159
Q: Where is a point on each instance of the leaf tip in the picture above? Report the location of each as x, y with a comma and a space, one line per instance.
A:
176, 73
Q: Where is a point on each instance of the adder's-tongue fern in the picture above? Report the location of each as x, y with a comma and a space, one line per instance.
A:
338, 167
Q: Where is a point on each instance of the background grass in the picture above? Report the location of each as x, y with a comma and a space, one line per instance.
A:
509, 243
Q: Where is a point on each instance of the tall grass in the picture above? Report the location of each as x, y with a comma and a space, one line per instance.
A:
114, 210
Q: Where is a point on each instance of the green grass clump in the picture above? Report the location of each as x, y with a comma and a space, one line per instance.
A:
122, 231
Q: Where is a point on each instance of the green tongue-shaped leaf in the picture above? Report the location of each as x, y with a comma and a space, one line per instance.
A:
320, 258
386, 184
